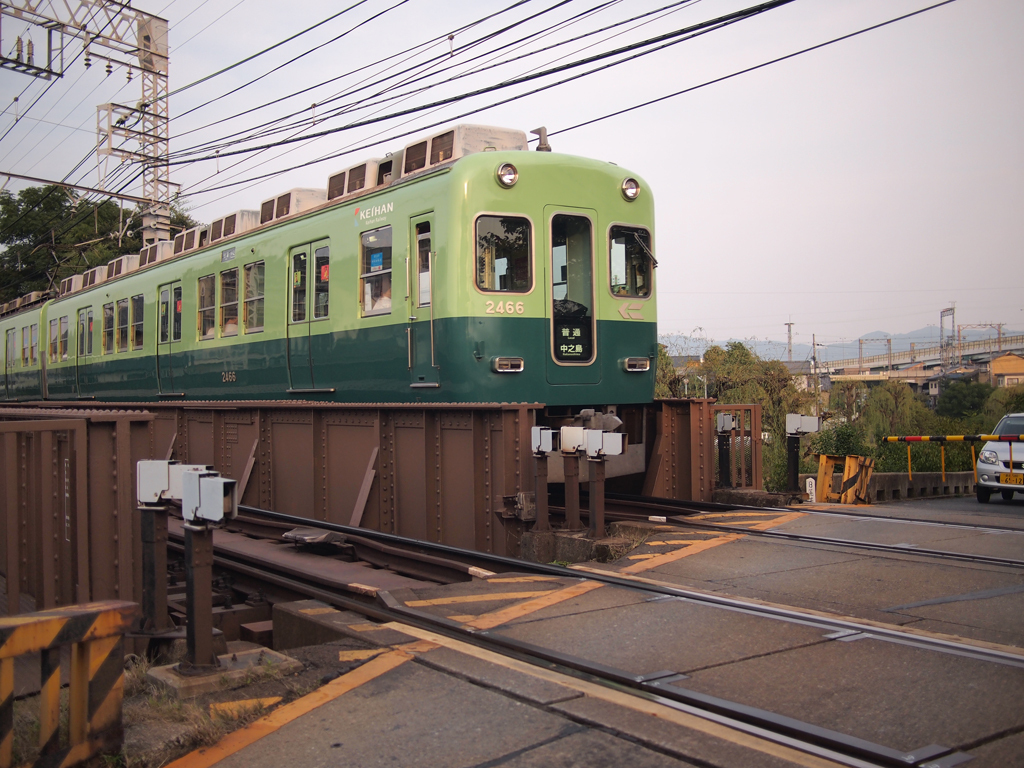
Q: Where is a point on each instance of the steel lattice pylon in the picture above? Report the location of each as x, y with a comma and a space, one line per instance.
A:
123, 37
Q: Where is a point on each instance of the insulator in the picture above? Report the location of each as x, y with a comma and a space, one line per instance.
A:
18, 48
88, 59
110, 68
31, 50
129, 73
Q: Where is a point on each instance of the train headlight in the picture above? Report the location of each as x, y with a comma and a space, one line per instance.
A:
631, 189
988, 457
507, 175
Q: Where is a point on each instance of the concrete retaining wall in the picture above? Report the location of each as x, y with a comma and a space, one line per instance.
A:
893, 486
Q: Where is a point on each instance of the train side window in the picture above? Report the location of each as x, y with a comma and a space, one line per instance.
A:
53, 340
423, 262
298, 287
321, 282
165, 316
176, 314
254, 286
572, 292
206, 316
85, 332
138, 321
122, 325
229, 302
64, 337
630, 252
503, 258
108, 328
441, 147
375, 279
33, 350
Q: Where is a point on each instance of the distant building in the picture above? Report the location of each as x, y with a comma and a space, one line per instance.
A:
1007, 370
682, 362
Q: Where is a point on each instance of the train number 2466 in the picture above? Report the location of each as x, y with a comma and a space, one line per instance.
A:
505, 308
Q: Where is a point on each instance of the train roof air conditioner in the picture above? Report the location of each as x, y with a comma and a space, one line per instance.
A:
458, 142
187, 240
366, 175
234, 224
291, 202
94, 276
122, 265
71, 284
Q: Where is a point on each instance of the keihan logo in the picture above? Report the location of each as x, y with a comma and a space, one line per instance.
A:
373, 214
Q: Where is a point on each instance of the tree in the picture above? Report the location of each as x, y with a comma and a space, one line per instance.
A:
50, 233
665, 377
892, 409
962, 399
1001, 402
847, 398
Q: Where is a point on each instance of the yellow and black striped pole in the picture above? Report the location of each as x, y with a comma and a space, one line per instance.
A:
956, 439
95, 633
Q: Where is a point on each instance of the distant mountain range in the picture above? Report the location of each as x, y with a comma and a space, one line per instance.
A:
776, 350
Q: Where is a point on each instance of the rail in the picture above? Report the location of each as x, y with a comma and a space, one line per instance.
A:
95, 633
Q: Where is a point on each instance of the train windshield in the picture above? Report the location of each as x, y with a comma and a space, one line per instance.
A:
572, 287
630, 249
503, 259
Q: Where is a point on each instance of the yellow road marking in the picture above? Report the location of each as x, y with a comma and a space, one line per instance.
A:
242, 738
679, 554
463, 617
642, 557
712, 515
626, 700
781, 520
364, 627
672, 543
367, 653
521, 579
235, 709
496, 618
482, 598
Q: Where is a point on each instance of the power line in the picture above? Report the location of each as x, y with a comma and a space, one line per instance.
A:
671, 38
751, 69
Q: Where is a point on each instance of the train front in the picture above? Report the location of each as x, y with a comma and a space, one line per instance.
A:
555, 283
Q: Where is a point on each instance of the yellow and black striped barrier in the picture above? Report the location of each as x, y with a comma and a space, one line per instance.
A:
95, 631
942, 439
956, 439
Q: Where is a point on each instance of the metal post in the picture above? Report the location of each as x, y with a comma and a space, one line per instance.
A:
724, 460
793, 462
199, 595
541, 466
596, 498
572, 491
154, 569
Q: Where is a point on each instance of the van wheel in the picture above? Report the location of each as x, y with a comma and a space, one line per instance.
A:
1007, 495
983, 495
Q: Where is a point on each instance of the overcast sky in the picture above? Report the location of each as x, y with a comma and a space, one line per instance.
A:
856, 188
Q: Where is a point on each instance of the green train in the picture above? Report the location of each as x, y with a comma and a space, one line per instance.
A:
461, 268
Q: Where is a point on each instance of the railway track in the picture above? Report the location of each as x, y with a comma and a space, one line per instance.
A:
638, 508
446, 564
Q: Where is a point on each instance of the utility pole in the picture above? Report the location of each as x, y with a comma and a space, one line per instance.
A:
789, 341
817, 380
120, 36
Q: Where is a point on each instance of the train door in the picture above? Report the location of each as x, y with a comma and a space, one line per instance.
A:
170, 362
309, 284
571, 296
423, 370
83, 348
10, 359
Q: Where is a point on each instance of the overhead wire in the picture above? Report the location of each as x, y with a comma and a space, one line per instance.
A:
256, 131
604, 117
